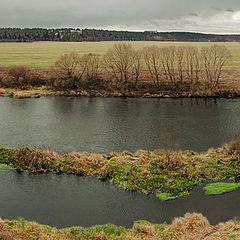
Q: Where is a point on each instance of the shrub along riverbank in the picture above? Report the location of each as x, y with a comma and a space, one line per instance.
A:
165, 173
191, 227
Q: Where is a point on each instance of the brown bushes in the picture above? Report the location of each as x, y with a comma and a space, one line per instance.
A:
72, 71
69, 70
22, 77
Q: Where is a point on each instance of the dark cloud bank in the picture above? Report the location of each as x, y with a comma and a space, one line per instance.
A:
215, 16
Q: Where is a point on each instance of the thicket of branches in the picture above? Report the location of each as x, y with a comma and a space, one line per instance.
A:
184, 68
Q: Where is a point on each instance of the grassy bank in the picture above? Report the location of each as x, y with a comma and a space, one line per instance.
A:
190, 227
165, 173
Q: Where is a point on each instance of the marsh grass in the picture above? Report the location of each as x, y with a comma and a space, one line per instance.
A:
190, 227
220, 188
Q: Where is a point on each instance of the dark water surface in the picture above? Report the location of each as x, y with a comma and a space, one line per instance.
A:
64, 201
103, 125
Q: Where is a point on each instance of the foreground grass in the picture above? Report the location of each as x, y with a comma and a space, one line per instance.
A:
191, 227
165, 173
221, 188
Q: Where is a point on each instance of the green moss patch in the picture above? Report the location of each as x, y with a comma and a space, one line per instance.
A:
166, 196
169, 196
220, 188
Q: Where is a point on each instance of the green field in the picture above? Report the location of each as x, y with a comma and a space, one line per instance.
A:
44, 54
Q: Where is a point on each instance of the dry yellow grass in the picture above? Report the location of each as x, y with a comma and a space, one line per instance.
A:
44, 54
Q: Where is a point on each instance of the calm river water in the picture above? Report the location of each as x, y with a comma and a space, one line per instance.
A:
104, 125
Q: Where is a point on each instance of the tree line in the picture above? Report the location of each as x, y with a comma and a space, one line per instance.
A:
162, 67
123, 68
78, 35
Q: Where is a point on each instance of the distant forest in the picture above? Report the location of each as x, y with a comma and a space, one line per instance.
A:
79, 35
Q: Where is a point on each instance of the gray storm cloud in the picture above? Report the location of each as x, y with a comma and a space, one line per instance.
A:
217, 16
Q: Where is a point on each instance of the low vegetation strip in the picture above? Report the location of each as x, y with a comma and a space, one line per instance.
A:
172, 173
221, 188
191, 226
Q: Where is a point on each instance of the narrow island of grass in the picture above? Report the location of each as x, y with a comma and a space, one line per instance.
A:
168, 174
220, 188
191, 226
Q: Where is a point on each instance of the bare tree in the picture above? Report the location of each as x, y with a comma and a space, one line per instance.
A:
91, 64
137, 66
192, 66
153, 62
214, 59
168, 60
180, 53
124, 63
69, 70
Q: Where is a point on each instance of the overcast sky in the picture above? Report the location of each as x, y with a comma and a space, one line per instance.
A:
212, 16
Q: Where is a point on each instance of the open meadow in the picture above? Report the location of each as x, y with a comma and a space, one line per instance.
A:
44, 54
